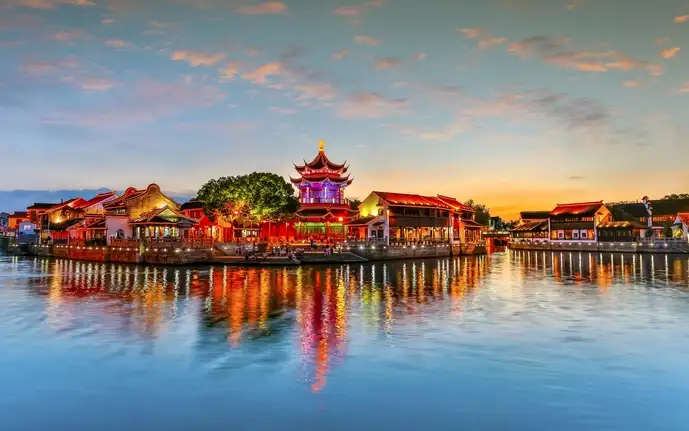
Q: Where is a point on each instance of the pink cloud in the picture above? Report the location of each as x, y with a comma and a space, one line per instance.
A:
261, 74
228, 72
269, 8
354, 13
684, 88
367, 40
633, 84
683, 18
197, 58
485, 39
42, 68
418, 56
91, 84
670, 52
45, 4
362, 104
340, 55
388, 63
67, 36
117, 43
107, 21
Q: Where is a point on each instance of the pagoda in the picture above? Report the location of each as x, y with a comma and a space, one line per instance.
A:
323, 207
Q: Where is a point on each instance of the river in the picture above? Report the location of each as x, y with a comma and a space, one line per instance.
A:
517, 340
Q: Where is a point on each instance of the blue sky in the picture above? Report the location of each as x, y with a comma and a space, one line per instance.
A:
515, 103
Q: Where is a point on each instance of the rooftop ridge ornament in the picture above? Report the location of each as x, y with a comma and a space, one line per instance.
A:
321, 146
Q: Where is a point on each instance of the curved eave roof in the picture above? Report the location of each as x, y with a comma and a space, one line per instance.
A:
322, 179
319, 162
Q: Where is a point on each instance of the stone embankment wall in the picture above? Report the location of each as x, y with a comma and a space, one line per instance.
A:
618, 247
122, 255
403, 252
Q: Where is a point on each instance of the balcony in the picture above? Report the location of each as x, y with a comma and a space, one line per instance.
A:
328, 201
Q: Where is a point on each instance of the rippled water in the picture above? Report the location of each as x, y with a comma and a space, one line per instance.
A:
532, 341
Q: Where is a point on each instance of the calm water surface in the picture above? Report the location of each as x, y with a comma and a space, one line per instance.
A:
522, 340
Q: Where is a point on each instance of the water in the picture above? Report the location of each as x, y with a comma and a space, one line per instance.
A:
523, 341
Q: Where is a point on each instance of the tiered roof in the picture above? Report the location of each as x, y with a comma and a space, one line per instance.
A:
321, 169
581, 209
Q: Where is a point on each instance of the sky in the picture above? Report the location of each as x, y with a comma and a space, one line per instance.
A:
518, 104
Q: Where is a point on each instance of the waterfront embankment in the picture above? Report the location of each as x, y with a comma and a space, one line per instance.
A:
660, 246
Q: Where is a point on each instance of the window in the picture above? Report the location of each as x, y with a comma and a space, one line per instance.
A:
575, 235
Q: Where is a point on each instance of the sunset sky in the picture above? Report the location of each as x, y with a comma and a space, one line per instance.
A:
518, 104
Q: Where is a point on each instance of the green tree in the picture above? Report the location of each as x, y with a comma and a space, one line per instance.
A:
482, 212
618, 214
256, 196
354, 203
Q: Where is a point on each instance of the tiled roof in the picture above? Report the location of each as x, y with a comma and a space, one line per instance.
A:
19, 214
455, 204
579, 209
665, 207
40, 206
538, 225
193, 205
335, 178
413, 200
621, 224
684, 217
72, 203
534, 215
159, 216
362, 221
96, 199
321, 161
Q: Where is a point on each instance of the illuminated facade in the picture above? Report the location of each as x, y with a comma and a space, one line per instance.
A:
577, 221
323, 206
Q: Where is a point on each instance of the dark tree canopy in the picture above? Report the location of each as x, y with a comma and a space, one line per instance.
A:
482, 212
354, 203
259, 195
677, 196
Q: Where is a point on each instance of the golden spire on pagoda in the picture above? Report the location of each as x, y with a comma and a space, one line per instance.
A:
321, 146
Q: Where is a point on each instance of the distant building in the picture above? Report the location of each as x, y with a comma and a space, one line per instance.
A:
577, 221
530, 216
656, 214
15, 219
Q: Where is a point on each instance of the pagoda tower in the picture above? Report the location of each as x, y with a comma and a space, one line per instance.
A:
323, 207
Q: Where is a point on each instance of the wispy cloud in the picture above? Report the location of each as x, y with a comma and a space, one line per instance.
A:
283, 111
197, 58
44, 4
66, 36
355, 12
42, 68
388, 63
557, 52
633, 84
360, 104
418, 56
228, 72
260, 74
340, 55
484, 39
107, 21
11, 43
92, 84
268, 8
682, 18
367, 40
684, 88
117, 43
670, 52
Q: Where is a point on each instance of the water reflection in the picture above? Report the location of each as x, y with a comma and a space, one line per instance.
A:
311, 309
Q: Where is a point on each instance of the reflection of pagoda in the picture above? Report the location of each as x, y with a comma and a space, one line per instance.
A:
321, 185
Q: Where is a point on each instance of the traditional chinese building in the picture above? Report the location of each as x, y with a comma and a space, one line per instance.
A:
656, 214
323, 206
410, 218
577, 221
145, 214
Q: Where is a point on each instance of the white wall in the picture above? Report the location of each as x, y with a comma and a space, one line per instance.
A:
115, 223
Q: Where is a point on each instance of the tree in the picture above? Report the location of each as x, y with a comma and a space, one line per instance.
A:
677, 196
619, 214
256, 196
482, 212
354, 203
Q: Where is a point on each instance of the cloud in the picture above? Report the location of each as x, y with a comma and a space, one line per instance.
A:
340, 55
683, 18
367, 40
107, 21
361, 104
91, 84
117, 43
42, 68
228, 72
66, 36
142, 102
576, 4
44, 4
283, 111
485, 39
418, 56
556, 52
261, 74
388, 63
670, 52
684, 88
660, 41
576, 178
354, 13
269, 8
633, 84
197, 58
